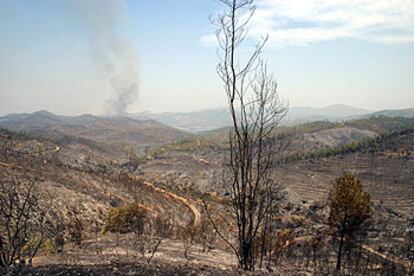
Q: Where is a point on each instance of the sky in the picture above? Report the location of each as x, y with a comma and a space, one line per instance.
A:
106, 56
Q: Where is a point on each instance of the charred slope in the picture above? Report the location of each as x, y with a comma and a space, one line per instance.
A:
384, 164
80, 192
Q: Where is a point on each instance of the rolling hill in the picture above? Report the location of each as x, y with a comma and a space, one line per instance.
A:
211, 119
110, 130
406, 113
190, 121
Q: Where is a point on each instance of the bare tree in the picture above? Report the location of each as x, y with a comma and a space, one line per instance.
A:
256, 111
24, 222
75, 230
188, 236
134, 218
207, 235
146, 241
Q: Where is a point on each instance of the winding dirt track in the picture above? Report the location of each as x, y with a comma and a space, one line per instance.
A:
185, 201
167, 194
197, 214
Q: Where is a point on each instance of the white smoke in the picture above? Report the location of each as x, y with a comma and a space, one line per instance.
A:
114, 57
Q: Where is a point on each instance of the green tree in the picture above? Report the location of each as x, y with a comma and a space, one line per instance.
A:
349, 209
134, 218
129, 218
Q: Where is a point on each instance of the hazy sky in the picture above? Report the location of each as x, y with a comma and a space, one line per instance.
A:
67, 56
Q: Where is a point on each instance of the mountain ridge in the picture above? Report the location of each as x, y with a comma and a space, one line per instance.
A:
210, 119
112, 130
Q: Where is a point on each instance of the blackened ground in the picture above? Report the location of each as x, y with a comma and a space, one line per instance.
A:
136, 268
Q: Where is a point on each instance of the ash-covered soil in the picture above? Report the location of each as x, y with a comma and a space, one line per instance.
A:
116, 268
85, 182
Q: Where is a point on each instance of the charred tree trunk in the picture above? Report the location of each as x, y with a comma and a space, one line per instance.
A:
339, 254
256, 111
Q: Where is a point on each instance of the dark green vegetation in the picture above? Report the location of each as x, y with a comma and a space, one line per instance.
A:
124, 219
386, 129
375, 145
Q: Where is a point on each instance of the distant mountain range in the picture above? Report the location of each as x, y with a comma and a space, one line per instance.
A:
119, 131
218, 118
152, 129
408, 113
336, 112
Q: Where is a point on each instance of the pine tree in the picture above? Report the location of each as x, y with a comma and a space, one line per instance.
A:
349, 209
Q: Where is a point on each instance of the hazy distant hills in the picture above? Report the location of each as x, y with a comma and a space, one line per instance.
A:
190, 121
408, 113
219, 118
145, 129
113, 130
298, 115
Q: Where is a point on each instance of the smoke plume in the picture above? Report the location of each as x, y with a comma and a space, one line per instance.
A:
114, 57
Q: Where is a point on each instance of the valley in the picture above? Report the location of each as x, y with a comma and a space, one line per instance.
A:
90, 168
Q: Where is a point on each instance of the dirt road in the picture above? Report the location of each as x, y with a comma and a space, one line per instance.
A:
185, 201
